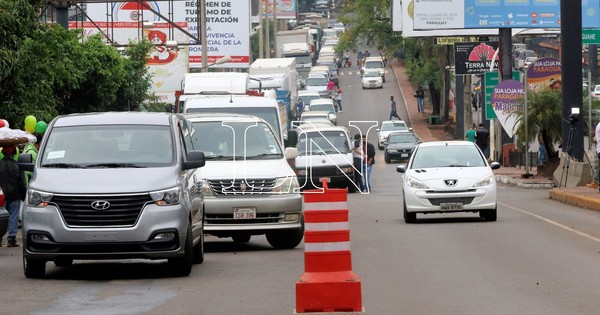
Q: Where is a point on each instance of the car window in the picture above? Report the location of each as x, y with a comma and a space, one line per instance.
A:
332, 142
373, 64
394, 126
314, 81
447, 156
402, 138
372, 74
322, 107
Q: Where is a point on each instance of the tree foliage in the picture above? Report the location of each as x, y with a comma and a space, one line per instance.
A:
46, 70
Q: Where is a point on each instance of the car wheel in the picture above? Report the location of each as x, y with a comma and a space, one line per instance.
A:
241, 238
286, 239
182, 266
409, 217
63, 262
387, 159
380, 147
198, 256
489, 215
34, 268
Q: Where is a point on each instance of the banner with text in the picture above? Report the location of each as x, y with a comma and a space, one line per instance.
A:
475, 58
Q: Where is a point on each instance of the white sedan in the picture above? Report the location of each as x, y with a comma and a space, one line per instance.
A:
371, 79
448, 176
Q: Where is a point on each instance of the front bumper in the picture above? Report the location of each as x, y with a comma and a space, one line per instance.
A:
425, 201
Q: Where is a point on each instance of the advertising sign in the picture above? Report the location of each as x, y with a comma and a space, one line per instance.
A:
544, 73
286, 9
227, 25
167, 64
507, 100
457, 14
475, 58
491, 82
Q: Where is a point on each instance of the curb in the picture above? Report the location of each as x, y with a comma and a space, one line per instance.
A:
583, 201
510, 180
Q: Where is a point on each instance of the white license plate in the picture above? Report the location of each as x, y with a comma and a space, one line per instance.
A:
328, 179
244, 213
404, 155
451, 206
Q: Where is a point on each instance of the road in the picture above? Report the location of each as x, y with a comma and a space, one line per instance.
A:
540, 257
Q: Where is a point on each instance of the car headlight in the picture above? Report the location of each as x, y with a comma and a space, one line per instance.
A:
206, 189
286, 185
392, 151
167, 197
415, 183
36, 198
485, 181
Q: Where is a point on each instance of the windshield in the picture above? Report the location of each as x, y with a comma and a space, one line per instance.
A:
236, 140
268, 114
322, 107
323, 142
314, 118
318, 81
109, 146
303, 59
402, 138
448, 156
372, 74
394, 126
373, 64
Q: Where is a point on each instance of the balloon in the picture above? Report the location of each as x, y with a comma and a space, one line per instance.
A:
3, 123
40, 127
30, 122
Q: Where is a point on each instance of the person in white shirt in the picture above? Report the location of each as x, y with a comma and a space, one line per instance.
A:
358, 155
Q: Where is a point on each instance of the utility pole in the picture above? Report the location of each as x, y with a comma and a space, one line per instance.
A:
261, 45
203, 36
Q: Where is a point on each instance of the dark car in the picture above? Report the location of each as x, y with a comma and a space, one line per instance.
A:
400, 146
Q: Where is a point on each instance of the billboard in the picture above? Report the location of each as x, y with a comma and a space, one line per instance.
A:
286, 9
227, 25
507, 101
475, 58
457, 14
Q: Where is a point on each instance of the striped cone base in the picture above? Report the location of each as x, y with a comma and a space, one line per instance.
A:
328, 292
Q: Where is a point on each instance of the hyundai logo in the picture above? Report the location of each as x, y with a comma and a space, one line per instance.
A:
450, 182
100, 205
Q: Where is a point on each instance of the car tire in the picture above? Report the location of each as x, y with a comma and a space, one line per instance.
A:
409, 217
34, 268
241, 238
63, 262
380, 147
198, 255
489, 215
387, 159
182, 266
286, 239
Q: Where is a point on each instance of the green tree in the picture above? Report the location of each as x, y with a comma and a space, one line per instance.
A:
46, 70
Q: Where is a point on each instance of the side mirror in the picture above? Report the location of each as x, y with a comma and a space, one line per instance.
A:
194, 159
25, 162
495, 165
401, 168
292, 137
290, 153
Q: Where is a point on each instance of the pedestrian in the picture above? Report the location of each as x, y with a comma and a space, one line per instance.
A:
299, 109
330, 88
597, 170
369, 153
393, 112
32, 148
482, 141
357, 157
359, 57
471, 134
338, 98
420, 95
13, 186
346, 59
367, 53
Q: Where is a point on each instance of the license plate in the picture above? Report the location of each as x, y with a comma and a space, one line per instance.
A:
244, 213
404, 155
328, 179
451, 206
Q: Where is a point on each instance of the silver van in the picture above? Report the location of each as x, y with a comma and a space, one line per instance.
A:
114, 186
249, 187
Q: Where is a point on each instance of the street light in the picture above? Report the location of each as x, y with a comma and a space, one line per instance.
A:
219, 61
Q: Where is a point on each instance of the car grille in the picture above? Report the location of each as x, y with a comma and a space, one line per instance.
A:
462, 200
261, 218
124, 210
242, 187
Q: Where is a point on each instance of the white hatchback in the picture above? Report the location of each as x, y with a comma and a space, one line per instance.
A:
448, 176
388, 127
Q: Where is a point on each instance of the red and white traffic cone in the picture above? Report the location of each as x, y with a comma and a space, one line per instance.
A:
328, 283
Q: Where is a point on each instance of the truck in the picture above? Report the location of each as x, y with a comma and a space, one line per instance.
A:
279, 74
303, 48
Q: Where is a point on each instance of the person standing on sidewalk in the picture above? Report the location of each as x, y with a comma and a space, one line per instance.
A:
369, 154
393, 111
13, 186
471, 134
420, 95
483, 138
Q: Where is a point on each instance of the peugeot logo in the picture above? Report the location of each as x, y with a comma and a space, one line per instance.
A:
100, 205
243, 186
450, 182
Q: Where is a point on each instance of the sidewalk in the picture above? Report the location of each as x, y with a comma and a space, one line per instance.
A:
581, 196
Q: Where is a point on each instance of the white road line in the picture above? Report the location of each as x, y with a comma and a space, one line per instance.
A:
562, 226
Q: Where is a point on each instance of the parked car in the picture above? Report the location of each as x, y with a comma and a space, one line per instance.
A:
115, 185
596, 92
317, 82
527, 62
324, 153
248, 185
325, 105
400, 146
371, 79
388, 127
448, 176
520, 60
319, 117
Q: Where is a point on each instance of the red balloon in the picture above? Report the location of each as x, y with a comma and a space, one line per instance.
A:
2, 124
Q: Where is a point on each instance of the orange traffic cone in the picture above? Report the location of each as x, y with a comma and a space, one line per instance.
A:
328, 283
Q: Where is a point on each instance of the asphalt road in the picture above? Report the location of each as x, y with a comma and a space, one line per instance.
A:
540, 257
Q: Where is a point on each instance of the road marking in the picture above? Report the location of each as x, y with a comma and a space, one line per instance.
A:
562, 226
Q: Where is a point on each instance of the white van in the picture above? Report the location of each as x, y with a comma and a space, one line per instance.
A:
324, 153
374, 63
325, 105
249, 187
